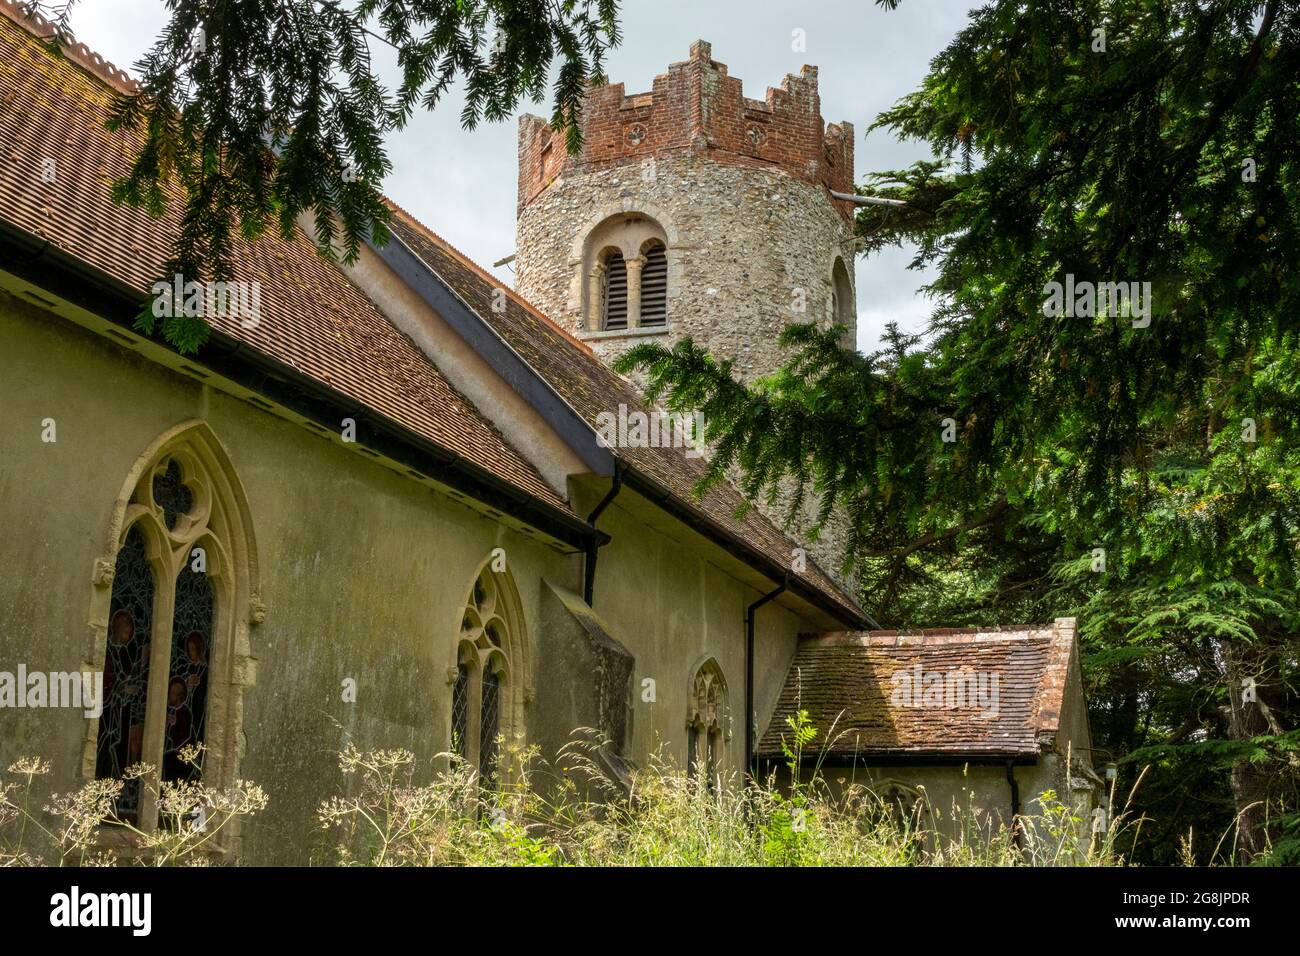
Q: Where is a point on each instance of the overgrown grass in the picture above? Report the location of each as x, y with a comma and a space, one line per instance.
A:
82, 828
574, 812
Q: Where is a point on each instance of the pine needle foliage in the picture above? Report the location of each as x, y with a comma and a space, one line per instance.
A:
262, 111
1141, 470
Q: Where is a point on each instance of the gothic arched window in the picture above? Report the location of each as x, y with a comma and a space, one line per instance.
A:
904, 803
180, 601
486, 698
707, 721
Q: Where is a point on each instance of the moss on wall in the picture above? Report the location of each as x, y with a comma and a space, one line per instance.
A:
363, 575
363, 572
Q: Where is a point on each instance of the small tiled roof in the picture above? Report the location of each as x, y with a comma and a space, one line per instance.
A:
312, 317
959, 693
589, 387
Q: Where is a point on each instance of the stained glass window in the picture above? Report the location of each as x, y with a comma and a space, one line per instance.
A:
171, 495
120, 741
187, 682
183, 555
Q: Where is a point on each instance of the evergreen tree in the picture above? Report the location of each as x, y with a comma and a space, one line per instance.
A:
1059, 444
264, 110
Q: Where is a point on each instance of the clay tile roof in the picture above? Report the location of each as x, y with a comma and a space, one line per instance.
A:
590, 387
991, 693
312, 317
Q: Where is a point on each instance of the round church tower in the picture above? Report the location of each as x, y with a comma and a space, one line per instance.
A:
691, 211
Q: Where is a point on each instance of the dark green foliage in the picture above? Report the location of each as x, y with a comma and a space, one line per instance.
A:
264, 110
1075, 433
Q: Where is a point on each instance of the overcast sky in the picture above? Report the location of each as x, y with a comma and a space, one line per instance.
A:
462, 184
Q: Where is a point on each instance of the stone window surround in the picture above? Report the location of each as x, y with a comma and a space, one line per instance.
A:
511, 661
708, 714
641, 332
629, 226
219, 521
842, 306
843, 300
909, 800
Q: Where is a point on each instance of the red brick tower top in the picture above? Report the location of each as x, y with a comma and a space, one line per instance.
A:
696, 108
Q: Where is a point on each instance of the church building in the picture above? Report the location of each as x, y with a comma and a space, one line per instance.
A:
382, 504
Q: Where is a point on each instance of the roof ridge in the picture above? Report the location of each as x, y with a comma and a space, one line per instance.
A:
930, 638
90, 61
956, 631
470, 263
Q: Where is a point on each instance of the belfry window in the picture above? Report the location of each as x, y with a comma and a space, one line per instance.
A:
842, 311
614, 293
654, 286
625, 283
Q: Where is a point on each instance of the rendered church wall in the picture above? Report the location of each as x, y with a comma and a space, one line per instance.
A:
956, 797
363, 572
672, 605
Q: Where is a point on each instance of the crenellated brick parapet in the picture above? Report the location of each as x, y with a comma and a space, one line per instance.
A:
734, 193
696, 109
